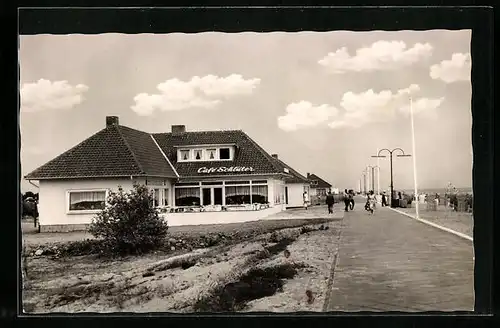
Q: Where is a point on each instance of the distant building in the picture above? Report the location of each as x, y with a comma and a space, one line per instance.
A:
318, 187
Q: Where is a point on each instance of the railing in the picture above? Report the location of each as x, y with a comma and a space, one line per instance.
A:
212, 208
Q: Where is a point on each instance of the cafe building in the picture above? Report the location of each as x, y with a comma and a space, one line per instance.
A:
197, 177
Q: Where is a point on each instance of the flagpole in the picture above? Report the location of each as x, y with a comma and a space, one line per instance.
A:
414, 159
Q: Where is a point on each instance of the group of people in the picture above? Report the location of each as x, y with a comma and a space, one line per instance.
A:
348, 199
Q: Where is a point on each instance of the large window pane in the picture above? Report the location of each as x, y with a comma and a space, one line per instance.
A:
87, 200
165, 197
259, 194
224, 153
157, 197
184, 155
237, 195
187, 196
236, 182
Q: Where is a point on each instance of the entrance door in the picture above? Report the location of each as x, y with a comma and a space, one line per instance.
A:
217, 196
286, 195
207, 196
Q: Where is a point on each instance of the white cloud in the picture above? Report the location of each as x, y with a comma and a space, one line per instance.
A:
369, 106
458, 68
381, 55
202, 92
422, 105
47, 95
304, 114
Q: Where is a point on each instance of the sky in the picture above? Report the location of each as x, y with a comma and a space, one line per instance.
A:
323, 101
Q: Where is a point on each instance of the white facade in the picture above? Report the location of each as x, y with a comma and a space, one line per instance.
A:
57, 214
295, 193
54, 200
53, 204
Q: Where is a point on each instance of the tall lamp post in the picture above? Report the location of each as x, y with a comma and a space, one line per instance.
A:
373, 175
364, 181
390, 157
378, 175
414, 158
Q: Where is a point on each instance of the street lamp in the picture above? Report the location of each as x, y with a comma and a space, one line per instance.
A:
364, 180
373, 175
390, 156
414, 158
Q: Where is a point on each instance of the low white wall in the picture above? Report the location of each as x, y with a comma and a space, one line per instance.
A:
199, 218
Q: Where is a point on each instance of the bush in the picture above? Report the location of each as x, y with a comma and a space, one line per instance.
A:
129, 224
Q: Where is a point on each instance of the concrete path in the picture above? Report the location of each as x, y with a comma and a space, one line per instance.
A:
389, 262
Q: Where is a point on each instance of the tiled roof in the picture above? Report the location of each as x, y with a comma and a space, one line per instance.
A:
321, 183
115, 151
248, 152
295, 177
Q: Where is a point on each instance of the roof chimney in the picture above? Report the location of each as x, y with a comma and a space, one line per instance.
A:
275, 156
112, 120
176, 129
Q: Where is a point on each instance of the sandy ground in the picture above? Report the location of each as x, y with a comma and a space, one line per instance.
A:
458, 221
317, 250
159, 283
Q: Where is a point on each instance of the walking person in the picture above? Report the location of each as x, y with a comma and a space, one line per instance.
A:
384, 199
351, 200
330, 200
370, 202
346, 200
305, 197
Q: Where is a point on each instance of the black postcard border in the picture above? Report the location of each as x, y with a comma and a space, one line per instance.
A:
191, 20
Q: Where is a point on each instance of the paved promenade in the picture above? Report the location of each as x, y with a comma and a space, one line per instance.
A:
389, 262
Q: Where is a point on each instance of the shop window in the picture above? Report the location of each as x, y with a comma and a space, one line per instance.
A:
259, 182
156, 197
279, 193
259, 194
187, 196
87, 200
224, 153
237, 195
165, 197
236, 182
187, 184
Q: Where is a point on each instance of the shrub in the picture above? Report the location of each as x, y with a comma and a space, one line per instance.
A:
129, 224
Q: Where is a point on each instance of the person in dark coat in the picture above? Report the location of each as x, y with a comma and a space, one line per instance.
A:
347, 201
330, 200
384, 199
351, 200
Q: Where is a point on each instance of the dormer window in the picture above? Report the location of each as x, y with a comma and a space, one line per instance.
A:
199, 153
185, 155
224, 153
211, 153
